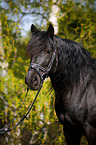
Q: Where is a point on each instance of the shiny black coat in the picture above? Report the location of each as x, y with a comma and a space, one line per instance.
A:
74, 82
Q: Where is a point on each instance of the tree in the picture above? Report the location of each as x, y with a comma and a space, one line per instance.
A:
77, 21
14, 55
55, 10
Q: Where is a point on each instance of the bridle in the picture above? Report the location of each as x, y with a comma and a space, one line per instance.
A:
42, 76
45, 71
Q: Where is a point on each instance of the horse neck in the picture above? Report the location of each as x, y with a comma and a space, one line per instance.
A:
72, 65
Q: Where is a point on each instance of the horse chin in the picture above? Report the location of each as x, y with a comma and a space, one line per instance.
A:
34, 87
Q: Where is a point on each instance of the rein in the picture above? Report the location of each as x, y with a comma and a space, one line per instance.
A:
5, 129
42, 76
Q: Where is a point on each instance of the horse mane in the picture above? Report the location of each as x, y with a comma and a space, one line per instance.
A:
74, 62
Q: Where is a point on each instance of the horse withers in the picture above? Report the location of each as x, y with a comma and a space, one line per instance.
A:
73, 75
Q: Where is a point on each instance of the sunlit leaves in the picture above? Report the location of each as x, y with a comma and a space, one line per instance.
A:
78, 22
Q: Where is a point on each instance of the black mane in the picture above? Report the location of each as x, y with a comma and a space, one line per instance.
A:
74, 61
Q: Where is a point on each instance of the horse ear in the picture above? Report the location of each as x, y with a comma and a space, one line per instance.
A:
33, 28
50, 31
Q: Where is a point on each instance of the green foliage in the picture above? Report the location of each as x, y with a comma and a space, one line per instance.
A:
77, 21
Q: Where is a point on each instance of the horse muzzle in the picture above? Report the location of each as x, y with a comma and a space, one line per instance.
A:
32, 79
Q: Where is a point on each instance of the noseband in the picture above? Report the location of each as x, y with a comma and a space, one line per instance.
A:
45, 71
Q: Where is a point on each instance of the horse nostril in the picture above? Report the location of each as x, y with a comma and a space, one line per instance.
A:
34, 81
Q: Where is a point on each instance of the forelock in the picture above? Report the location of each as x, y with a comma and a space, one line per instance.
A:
37, 44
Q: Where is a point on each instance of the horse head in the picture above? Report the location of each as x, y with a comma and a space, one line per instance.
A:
42, 51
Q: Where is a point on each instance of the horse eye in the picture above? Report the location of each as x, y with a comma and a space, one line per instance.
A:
48, 51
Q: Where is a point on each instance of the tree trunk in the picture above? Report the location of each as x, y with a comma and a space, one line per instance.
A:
54, 15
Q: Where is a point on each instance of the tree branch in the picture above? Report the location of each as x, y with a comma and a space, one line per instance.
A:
36, 13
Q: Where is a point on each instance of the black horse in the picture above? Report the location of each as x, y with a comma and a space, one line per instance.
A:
73, 75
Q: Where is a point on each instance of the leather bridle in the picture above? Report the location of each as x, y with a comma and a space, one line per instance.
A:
45, 71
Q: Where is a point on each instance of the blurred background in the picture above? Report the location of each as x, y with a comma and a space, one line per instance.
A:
74, 20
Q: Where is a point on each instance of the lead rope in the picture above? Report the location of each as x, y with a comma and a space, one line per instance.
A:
16, 114
5, 129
